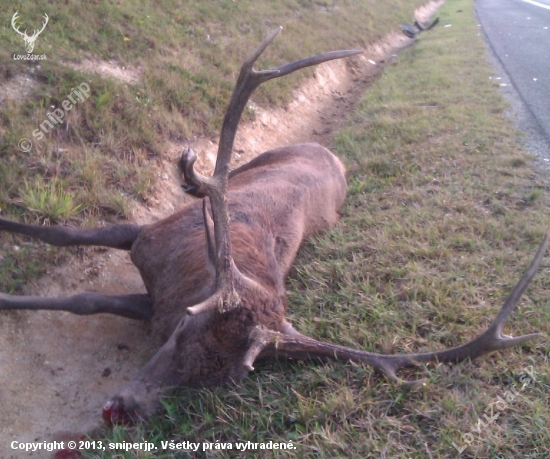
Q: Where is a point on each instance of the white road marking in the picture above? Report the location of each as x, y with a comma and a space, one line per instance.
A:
542, 5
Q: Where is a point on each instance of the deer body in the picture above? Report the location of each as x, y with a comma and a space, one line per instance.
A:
275, 201
215, 283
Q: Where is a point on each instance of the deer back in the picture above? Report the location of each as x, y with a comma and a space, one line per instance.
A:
275, 201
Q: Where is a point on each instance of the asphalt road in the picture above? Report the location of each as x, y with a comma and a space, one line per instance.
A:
518, 32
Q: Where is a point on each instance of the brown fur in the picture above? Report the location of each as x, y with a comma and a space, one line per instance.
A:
275, 201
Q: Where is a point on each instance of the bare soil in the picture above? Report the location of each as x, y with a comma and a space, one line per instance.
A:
57, 369
110, 69
18, 87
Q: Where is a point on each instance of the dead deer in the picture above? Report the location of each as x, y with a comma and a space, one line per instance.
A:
215, 270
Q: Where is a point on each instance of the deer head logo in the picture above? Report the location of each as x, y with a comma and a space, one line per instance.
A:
29, 41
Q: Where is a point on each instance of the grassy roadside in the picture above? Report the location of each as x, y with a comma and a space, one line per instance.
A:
185, 56
444, 213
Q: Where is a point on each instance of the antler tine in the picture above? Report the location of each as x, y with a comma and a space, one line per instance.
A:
266, 343
213, 302
188, 159
308, 62
215, 187
248, 81
260, 337
38, 32
209, 230
14, 24
517, 291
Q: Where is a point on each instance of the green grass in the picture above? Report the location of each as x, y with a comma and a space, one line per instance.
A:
48, 199
444, 212
187, 53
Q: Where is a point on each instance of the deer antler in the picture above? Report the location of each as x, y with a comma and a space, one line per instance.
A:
268, 343
24, 34
38, 32
14, 25
215, 187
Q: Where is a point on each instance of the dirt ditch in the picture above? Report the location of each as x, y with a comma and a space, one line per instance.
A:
58, 369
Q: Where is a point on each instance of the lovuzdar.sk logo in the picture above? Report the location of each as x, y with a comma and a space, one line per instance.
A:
29, 40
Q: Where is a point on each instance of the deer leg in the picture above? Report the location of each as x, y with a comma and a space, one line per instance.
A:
116, 236
138, 307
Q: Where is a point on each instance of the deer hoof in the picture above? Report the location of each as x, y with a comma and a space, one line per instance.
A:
115, 414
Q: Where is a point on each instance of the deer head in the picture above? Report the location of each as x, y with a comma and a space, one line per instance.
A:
29, 41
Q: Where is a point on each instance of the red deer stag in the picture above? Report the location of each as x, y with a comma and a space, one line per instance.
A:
215, 271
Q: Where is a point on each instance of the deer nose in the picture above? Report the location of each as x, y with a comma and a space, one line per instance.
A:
115, 414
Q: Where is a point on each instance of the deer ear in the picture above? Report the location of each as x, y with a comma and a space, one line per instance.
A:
210, 241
